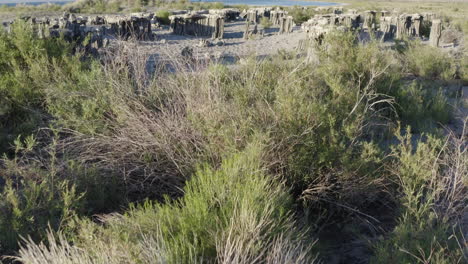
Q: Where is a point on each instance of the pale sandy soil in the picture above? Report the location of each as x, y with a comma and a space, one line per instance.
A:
170, 45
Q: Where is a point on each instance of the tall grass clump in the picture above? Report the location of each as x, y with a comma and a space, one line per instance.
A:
233, 214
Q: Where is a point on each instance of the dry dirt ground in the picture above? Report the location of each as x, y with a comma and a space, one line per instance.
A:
234, 45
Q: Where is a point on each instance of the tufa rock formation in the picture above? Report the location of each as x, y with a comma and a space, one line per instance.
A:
436, 32
286, 25
198, 25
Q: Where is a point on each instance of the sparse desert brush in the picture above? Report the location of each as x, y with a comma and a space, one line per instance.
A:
233, 214
225, 164
98, 6
423, 105
433, 191
265, 22
428, 62
300, 15
163, 16
35, 194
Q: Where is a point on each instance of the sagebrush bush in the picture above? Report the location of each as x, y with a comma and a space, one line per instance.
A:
433, 192
428, 62
163, 17
265, 22
23, 71
422, 106
234, 214
300, 14
35, 195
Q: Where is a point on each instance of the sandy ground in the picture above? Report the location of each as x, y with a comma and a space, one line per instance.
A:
234, 46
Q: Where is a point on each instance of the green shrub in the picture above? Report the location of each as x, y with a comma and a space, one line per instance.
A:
429, 62
312, 115
300, 14
34, 197
422, 106
265, 22
234, 213
24, 74
426, 231
163, 17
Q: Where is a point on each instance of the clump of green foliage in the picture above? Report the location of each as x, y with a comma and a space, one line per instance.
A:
163, 17
422, 105
23, 73
300, 14
430, 178
265, 22
233, 213
429, 62
29, 205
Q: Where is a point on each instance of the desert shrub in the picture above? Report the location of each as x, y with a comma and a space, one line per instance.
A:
428, 62
24, 73
300, 14
43, 82
163, 17
422, 106
432, 179
41, 188
34, 196
96, 6
233, 214
265, 22
461, 25
25, 8
313, 116
208, 5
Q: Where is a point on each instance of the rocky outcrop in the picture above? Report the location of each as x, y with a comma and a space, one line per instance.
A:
286, 25
436, 32
229, 14
369, 20
387, 28
416, 25
254, 15
276, 16
71, 28
136, 26
198, 25
253, 32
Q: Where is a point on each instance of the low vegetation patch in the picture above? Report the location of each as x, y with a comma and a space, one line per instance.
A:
106, 162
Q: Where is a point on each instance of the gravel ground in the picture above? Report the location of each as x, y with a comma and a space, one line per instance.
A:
168, 44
